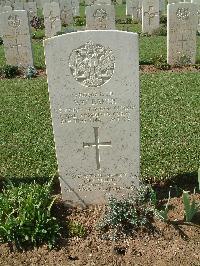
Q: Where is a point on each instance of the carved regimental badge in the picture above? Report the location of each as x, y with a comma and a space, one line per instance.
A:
92, 64
182, 13
14, 21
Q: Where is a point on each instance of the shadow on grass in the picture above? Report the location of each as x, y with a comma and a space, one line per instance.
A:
16, 181
176, 185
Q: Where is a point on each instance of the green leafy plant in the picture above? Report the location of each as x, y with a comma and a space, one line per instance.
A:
161, 31
161, 63
79, 21
10, 71
190, 209
127, 214
163, 19
184, 60
31, 72
1, 41
75, 229
25, 215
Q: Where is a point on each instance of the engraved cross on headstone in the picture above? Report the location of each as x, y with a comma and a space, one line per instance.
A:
150, 13
52, 18
182, 40
97, 144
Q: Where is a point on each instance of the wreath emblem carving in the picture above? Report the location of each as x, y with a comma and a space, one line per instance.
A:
183, 13
92, 65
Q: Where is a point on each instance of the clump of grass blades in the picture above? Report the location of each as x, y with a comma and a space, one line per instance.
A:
25, 216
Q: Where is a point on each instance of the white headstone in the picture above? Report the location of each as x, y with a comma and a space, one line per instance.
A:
16, 38
174, 1
31, 8
103, 2
18, 6
75, 8
66, 13
181, 33
6, 9
162, 6
94, 96
133, 9
197, 2
119, 2
100, 17
52, 22
150, 15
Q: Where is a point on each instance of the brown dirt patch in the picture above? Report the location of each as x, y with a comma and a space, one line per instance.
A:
174, 243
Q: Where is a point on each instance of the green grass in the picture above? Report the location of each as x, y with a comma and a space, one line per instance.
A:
26, 138
169, 127
170, 116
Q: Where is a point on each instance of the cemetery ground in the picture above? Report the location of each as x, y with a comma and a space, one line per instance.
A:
169, 113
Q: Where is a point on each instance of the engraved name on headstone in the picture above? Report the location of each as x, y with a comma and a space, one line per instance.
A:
16, 38
94, 97
181, 33
100, 17
150, 16
52, 22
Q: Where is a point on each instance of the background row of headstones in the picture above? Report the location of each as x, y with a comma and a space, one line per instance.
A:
181, 28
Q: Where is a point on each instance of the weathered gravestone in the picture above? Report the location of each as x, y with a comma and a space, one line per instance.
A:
6, 9
94, 96
103, 2
75, 8
197, 2
18, 6
181, 33
173, 1
31, 8
16, 38
133, 9
66, 13
100, 17
52, 22
150, 15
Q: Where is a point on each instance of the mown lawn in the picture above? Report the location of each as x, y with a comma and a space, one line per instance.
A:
170, 118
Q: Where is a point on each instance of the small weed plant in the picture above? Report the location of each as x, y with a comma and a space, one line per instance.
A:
128, 214
190, 208
161, 63
25, 216
1, 41
75, 229
184, 60
9, 71
161, 31
31, 72
79, 21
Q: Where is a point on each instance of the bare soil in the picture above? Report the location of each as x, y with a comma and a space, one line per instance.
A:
173, 243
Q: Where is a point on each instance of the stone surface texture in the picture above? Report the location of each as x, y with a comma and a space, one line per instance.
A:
52, 22
133, 8
16, 38
94, 97
31, 8
150, 15
197, 2
181, 33
100, 17
66, 12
